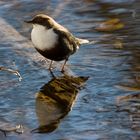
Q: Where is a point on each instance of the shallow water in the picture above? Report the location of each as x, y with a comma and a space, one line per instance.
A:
108, 107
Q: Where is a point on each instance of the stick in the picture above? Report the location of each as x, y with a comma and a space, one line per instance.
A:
11, 71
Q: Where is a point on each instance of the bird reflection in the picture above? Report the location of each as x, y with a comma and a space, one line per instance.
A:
54, 101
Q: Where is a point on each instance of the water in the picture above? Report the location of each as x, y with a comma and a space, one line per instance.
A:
107, 108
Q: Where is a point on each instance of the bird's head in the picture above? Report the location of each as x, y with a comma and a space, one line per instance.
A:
43, 20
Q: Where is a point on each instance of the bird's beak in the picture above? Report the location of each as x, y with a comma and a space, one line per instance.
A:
29, 21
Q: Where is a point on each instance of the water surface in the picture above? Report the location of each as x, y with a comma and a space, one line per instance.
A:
107, 108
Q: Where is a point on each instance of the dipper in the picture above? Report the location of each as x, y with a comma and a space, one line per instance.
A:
52, 40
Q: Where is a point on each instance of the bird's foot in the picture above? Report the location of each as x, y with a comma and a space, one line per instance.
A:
62, 70
52, 74
50, 69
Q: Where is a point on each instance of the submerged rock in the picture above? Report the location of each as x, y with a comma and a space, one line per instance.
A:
110, 25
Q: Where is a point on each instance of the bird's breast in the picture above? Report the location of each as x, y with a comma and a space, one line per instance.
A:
42, 38
51, 45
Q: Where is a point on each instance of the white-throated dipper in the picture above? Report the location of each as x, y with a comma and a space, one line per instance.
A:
52, 40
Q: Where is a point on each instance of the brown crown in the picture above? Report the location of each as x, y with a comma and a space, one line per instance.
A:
42, 20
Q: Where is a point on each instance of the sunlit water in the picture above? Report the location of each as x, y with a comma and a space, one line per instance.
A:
105, 109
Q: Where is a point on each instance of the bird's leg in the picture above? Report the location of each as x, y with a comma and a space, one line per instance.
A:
52, 74
50, 66
63, 66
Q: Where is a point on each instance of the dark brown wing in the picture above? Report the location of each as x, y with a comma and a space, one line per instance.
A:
67, 40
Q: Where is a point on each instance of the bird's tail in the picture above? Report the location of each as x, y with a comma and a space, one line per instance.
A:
82, 41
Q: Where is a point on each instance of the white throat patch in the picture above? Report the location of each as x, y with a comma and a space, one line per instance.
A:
43, 38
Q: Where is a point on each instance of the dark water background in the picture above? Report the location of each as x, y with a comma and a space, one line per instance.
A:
108, 108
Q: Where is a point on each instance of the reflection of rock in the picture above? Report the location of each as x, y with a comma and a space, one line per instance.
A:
131, 104
110, 25
55, 100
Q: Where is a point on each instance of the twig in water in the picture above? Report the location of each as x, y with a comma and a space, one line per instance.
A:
18, 129
11, 71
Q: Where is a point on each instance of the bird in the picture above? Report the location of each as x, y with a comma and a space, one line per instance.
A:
52, 40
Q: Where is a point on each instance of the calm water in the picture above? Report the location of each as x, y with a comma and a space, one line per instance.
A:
108, 107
